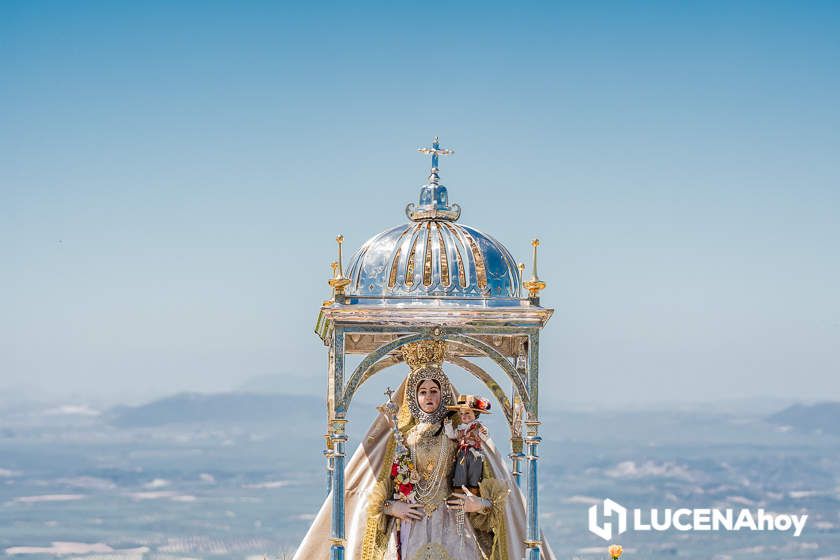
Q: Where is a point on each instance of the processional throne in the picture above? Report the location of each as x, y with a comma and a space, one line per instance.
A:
436, 279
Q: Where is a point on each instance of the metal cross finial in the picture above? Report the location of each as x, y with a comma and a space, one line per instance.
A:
389, 392
436, 151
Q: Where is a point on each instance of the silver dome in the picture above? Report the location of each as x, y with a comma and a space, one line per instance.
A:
433, 256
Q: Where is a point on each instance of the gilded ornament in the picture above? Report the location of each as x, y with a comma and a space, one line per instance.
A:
424, 353
534, 285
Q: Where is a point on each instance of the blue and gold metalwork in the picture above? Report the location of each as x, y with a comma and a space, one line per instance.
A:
434, 279
433, 257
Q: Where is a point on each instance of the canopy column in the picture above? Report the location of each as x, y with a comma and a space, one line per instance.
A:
337, 532
338, 437
516, 442
532, 441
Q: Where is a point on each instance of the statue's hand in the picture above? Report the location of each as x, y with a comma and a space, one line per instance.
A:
467, 501
405, 511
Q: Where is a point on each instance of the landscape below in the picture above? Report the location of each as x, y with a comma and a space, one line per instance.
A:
240, 475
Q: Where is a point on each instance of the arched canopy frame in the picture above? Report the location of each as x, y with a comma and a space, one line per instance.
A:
463, 363
369, 366
379, 337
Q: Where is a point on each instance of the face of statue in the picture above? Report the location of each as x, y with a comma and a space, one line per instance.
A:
467, 415
428, 395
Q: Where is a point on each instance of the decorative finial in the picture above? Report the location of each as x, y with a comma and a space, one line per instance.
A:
521, 267
328, 302
340, 241
338, 281
436, 151
534, 285
434, 200
389, 393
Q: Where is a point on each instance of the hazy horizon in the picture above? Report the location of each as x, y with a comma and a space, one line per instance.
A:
756, 404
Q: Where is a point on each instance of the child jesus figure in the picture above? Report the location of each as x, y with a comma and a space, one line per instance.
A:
470, 435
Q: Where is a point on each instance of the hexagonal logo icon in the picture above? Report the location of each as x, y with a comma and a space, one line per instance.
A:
610, 509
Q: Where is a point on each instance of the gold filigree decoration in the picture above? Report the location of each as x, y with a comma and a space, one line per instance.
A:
427, 260
480, 269
432, 455
395, 261
375, 539
392, 278
462, 276
444, 259
424, 353
409, 269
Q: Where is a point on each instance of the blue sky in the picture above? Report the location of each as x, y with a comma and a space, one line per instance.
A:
172, 176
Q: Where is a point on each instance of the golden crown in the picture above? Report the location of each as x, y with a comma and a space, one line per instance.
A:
424, 353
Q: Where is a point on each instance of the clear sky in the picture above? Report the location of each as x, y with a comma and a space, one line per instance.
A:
173, 175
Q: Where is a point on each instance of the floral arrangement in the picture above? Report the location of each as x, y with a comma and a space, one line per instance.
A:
405, 476
403, 472
615, 551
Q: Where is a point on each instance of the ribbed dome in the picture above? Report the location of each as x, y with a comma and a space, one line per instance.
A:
433, 258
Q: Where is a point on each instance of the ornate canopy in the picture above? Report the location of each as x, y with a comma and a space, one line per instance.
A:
433, 279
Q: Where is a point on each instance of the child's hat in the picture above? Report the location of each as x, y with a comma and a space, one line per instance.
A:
473, 402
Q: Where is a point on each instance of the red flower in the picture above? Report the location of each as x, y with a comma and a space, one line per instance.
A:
394, 468
405, 489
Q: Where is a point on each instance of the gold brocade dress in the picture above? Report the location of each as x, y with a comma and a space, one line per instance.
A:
437, 536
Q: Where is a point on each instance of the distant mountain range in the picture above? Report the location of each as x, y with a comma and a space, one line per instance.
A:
291, 411
819, 417
218, 408
287, 384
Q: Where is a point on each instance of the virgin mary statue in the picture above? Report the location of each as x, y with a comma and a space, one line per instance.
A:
435, 523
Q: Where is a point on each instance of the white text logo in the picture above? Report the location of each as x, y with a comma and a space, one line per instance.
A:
615, 516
